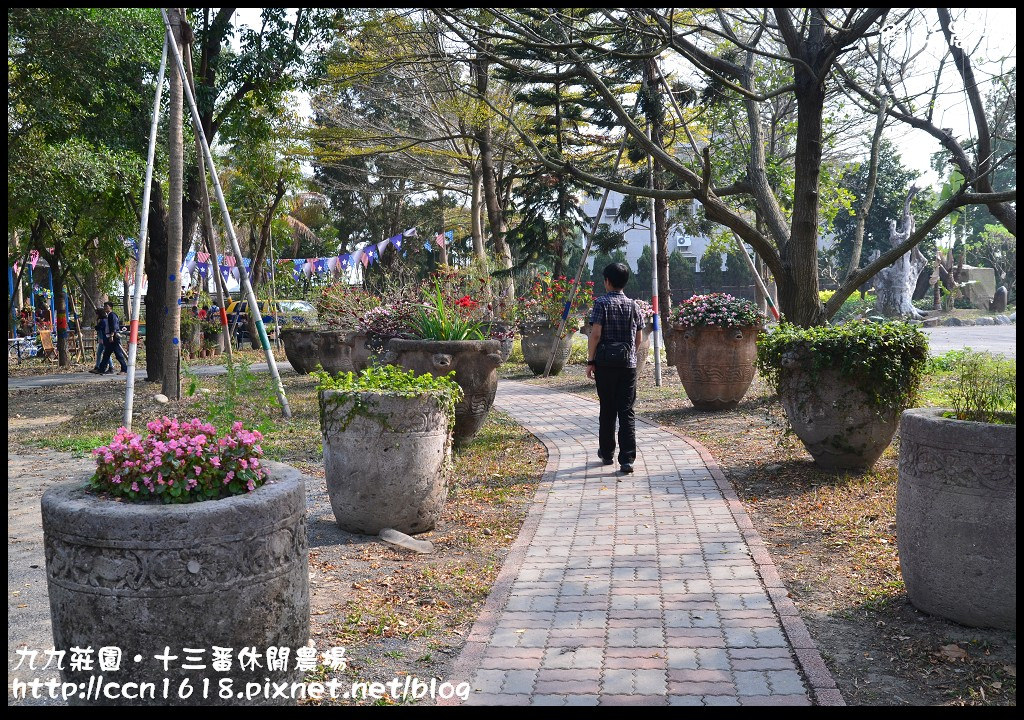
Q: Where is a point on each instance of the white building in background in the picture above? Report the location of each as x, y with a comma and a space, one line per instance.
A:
638, 235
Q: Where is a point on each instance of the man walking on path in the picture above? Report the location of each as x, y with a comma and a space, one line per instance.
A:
112, 341
615, 336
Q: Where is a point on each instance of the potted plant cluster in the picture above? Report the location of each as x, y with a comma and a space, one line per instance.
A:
182, 537
844, 386
541, 309
956, 504
387, 436
470, 290
449, 337
338, 344
714, 346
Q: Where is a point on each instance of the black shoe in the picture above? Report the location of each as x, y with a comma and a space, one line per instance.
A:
627, 468
604, 460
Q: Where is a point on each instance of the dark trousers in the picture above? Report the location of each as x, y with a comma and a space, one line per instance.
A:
113, 348
616, 388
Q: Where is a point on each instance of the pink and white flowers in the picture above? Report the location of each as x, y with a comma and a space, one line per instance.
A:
718, 309
179, 461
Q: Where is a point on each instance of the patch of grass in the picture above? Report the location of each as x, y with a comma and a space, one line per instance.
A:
80, 445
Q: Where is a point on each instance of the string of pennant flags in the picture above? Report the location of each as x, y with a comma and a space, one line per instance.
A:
366, 256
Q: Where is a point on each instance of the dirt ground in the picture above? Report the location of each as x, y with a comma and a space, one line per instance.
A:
833, 537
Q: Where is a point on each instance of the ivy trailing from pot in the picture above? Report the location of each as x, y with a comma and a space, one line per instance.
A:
844, 386
885, 360
351, 388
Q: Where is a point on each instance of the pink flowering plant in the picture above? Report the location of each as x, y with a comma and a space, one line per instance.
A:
717, 309
646, 310
179, 462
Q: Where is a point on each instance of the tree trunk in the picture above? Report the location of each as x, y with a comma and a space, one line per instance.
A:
495, 216
172, 318
60, 320
156, 290
476, 211
798, 286
94, 298
443, 249
894, 286
660, 218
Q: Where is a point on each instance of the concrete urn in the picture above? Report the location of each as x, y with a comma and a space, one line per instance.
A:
337, 351
835, 419
956, 518
386, 459
230, 573
475, 363
715, 364
537, 341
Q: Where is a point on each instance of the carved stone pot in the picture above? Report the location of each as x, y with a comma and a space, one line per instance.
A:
142, 577
385, 458
644, 350
956, 518
836, 421
361, 354
537, 341
715, 364
475, 363
505, 344
306, 349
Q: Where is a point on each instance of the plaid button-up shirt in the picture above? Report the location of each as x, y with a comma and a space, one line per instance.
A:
619, 319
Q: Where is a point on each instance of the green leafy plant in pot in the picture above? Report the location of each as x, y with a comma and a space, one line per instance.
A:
844, 386
450, 341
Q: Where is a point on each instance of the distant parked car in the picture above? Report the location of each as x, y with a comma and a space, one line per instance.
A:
290, 313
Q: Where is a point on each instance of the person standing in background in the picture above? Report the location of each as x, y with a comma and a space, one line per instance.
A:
101, 332
111, 339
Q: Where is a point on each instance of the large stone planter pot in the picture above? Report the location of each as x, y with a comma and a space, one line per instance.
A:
537, 341
836, 420
361, 354
475, 363
956, 518
505, 345
715, 364
231, 573
644, 351
385, 459
306, 349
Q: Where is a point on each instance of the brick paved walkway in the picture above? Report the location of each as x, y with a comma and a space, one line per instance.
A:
648, 589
